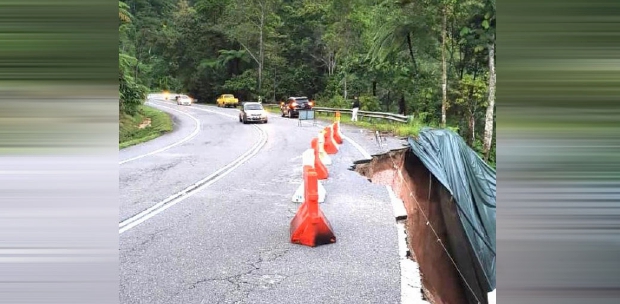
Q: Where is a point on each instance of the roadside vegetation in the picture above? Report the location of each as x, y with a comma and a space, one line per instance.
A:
146, 124
433, 59
137, 123
399, 129
409, 129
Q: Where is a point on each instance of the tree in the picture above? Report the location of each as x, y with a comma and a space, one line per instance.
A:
444, 73
131, 93
247, 23
431, 58
489, 24
123, 12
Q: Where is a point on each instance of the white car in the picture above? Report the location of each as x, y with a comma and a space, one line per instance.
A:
184, 100
252, 111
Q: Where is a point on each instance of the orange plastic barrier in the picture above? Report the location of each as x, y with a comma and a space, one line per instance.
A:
309, 227
325, 159
319, 167
330, 144
337, 137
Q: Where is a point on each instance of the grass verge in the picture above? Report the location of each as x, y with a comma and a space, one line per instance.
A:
130, 132
272, 108
411, 128
395, 128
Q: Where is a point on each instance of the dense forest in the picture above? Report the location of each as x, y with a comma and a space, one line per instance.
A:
433, 59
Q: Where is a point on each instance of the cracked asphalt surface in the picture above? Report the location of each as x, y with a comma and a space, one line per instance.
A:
229, 242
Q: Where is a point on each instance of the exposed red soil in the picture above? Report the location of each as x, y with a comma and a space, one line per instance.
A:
421, 195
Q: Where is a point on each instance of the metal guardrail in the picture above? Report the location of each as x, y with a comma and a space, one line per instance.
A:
381, 115
369, 114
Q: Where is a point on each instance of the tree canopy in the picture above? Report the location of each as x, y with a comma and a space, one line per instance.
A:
427, 58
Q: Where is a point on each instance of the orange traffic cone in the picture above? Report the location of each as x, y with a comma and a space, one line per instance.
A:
309, 227
330, 145
337, 135
319, 167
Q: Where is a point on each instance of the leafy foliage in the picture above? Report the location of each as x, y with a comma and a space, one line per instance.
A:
387, 52
131, 93
370, 103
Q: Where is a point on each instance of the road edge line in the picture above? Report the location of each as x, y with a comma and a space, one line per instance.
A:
195, 187
410, 280
190, 136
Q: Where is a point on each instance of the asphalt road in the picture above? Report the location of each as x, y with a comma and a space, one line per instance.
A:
228, 240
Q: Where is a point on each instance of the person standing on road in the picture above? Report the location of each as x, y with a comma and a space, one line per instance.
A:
356, 107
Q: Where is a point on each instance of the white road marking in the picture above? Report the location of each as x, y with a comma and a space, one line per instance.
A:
216, 112
204, 108
296, 158
199, 185
54, 251
357, 146
192, 135
410, 281
492, 296
46, 172
58, 259
400, 213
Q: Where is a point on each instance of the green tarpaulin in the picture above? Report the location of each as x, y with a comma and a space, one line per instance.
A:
471, 182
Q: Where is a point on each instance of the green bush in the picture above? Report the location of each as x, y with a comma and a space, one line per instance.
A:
334, 102
422, 117
131, 95
370, 103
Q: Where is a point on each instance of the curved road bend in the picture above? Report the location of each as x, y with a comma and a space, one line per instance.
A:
229, 242
152, 178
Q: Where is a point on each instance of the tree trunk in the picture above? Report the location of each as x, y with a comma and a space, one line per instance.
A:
345, 86
330, 63
402, 107
374, 88
488, 123
415, 65
261, 54
472, 109
275, 84
138, 50
444, 73
472, 131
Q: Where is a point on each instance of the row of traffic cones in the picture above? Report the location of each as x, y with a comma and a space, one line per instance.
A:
310, 227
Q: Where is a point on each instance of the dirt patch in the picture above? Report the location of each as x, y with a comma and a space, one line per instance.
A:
421, 194
145, 123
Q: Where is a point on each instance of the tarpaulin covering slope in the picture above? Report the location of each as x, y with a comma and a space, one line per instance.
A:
471, 182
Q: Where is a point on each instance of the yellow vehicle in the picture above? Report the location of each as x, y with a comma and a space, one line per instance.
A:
227, 100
